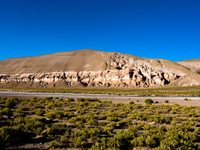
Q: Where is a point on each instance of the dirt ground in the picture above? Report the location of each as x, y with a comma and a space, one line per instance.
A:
157, 101
193, 101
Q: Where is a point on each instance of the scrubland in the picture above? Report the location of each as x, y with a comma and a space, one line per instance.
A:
56, 123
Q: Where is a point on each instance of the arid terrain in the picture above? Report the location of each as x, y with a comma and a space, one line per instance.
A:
97, 100
90, 68
88, 123
180, 100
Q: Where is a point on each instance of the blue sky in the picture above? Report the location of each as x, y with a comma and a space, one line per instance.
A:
166, 29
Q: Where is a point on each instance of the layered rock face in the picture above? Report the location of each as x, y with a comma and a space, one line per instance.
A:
120, 71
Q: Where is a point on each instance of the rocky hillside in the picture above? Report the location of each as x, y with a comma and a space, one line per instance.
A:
92, 68
192, 64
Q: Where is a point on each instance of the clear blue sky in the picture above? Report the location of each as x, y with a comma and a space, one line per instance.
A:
166, 29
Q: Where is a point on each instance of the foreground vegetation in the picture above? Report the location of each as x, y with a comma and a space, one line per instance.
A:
92, 124
162, 91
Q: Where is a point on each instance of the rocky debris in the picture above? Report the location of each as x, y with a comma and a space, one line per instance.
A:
120, 71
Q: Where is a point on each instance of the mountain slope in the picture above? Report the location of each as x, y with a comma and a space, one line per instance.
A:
81, 60
193, 64
91, 68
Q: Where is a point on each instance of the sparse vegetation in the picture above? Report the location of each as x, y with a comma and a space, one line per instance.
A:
164, 91
166, 101
148, 101
92, 124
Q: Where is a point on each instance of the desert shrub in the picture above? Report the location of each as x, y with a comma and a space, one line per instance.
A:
3, 100
11, 102
6, 111
107, 103
50, 105
162, 128
70, 100
100, 144
84, 134
160, 118
5, 135
185, 99
109, 128
75, 119
22, 109
87, 131
55, 143
120, 140
48, 98
148, 101
80, 141
147, 127
54, 114
174, 138
166, 101
37, 130
92, 100
112, 118
131, 103
38, 111
124, 122
138, 141
138, 106
110, 114
91, 122
80, 99
138, 116
26, 124
149, 141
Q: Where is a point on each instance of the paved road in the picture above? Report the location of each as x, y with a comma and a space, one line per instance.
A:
82, 95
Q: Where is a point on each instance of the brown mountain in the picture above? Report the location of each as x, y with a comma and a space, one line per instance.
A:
193, 64
95, 68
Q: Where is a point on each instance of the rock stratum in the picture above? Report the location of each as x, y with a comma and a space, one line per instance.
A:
90, 68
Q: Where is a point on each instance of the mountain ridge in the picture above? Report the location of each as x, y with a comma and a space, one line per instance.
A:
94, 68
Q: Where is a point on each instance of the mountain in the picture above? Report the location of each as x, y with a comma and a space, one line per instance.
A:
193, 64
95, 68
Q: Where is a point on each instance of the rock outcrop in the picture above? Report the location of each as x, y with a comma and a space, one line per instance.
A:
120, 71
93, 68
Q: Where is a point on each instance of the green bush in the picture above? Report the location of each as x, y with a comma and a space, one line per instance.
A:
124, 122
54, 114
5, 135
11, 102
148, 101
166, 101
38, 111
80, 99
70, 100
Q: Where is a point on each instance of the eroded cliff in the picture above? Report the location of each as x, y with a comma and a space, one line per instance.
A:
117, 70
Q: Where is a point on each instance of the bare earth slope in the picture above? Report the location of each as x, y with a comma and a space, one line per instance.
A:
93, 68
192, 64
82, 60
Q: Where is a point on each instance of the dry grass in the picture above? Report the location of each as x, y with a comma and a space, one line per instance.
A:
164, 91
